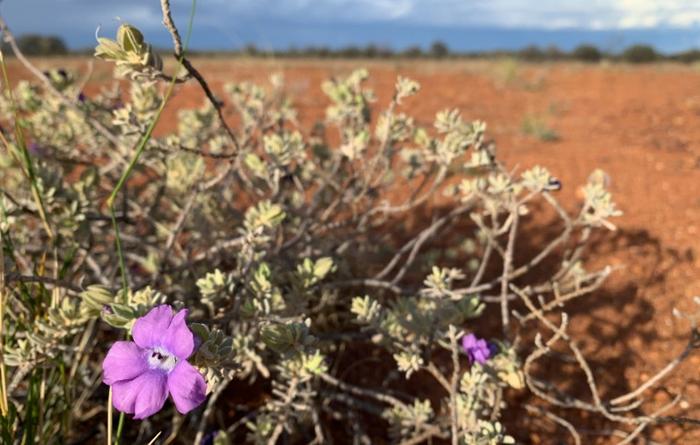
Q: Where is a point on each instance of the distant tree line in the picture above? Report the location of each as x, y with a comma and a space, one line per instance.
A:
40, 45
440, 50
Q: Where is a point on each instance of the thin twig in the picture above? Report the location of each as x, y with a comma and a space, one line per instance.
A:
44, 280
385, 398
556, 419
692, 344
424, 236
430, 432
179, 54
507, 265
179, 224
454, 385
211, 404
368, 282
4, 404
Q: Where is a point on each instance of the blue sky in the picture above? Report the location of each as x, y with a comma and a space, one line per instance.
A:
670, 25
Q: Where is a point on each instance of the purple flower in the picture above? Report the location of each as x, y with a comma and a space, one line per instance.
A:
477, 349
142, 372
36, 149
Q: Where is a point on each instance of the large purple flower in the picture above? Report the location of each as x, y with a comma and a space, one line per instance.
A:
142, 372
477, 349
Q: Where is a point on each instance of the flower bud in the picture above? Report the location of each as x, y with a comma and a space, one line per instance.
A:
129, 38
281, 338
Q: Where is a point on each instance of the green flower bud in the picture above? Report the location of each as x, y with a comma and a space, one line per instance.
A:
282, 338
129, 38
95, 298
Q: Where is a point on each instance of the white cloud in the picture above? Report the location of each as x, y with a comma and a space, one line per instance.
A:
333, 10
650, 13
552, 14
590, 14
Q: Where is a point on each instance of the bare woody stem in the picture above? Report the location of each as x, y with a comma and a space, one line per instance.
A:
180, 55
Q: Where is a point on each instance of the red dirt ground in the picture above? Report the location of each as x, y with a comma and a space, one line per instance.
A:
640, 124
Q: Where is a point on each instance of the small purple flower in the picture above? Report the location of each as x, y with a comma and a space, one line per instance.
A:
477, 349
35, 149
142, 372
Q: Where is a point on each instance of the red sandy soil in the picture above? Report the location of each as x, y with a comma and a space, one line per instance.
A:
641, 124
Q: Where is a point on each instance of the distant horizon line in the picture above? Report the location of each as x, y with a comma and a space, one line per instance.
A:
424, 48
284, 35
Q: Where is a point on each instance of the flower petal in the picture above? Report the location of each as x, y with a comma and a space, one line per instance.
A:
143, 396
124, 361
149, 331
187, 386
152, 396
468, 341
479, 356
178, 339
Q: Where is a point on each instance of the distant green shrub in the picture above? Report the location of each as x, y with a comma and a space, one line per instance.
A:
412, 52
640, 54
439, 49
531, 53
690, 56
40, 45
534, 53
587, 53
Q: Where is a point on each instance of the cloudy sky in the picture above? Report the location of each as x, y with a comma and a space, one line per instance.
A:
670, 25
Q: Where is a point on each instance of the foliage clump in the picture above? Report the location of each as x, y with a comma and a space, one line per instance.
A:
640, 54
587, 53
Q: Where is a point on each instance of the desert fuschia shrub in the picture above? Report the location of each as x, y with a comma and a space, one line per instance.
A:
287, 248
